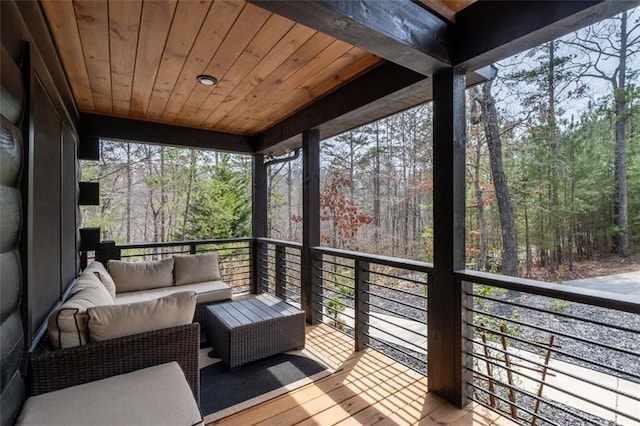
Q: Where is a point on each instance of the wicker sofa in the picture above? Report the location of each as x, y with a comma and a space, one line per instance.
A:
134, 316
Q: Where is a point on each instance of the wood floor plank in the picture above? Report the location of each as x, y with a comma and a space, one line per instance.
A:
370, 389
478, 415
414, 411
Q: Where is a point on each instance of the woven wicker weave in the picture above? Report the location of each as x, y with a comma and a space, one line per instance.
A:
252, 329
51, 370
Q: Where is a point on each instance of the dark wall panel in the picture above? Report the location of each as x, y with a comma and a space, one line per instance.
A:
45, 213
68, 242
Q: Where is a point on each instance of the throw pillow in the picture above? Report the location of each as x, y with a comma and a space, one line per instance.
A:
196, 268
135, 276
99, 271
109, 322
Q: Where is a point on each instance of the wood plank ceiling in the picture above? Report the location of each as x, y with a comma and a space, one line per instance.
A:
140, 59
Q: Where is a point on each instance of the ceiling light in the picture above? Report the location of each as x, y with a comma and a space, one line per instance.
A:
207, 80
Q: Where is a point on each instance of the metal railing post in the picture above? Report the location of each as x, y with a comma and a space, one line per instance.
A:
361, 304
107, 250
281, 275
256, 267
192, 249
316, 288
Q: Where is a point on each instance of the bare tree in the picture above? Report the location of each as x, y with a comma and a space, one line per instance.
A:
607, 49
489, 116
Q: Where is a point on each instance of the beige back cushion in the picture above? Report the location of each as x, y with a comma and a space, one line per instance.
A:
196, 268
135, 276
67, 326
108, 322
98, 270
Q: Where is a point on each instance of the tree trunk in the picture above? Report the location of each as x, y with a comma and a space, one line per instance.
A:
376, 190
621, 208
482, 222
192, 172
492, 133
129, 193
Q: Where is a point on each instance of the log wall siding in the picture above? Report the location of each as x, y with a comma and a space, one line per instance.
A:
12, 386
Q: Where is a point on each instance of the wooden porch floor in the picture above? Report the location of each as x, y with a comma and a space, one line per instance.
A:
370, 389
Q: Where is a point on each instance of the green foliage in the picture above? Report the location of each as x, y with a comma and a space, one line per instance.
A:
558, 306
427, 236
335, 306
221, 205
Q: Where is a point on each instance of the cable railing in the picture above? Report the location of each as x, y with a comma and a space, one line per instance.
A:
279, 264
536, 353
234, 256
550, 354
381, 301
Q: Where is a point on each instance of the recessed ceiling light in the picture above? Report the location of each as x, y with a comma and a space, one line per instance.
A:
207, 80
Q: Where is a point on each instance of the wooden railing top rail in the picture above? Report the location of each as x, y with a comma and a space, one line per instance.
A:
602, 299
181, 243
394, 262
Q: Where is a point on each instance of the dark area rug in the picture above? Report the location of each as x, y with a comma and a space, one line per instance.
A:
224, 392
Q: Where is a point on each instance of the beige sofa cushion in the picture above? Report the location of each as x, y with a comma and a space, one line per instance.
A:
67, 326
108, 322
158, 395
196, 268
134, 276
97, 269
211, 291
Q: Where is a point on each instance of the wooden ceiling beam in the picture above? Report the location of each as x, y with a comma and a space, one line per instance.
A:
399, 31
489, 31
108, 127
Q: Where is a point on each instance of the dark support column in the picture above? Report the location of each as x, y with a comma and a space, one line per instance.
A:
361, 304
445, 308
311, 216
258, 218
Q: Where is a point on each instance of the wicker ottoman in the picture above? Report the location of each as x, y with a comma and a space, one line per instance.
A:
247, 330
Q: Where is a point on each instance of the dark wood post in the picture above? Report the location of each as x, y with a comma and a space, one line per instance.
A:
311, 218
361, 304
281, 275
258, 218
446, 368
107, 250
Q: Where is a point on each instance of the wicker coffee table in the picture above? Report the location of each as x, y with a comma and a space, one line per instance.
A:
247, 330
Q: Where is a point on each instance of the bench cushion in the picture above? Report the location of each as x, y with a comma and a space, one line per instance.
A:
196, 268
206, 292
158, 395
135, 276
109, 322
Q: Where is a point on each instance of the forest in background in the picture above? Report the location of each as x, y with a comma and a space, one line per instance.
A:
553, 171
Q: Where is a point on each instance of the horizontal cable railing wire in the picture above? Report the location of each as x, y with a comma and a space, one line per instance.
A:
234, 256
379, 300
553, 354
279, 267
